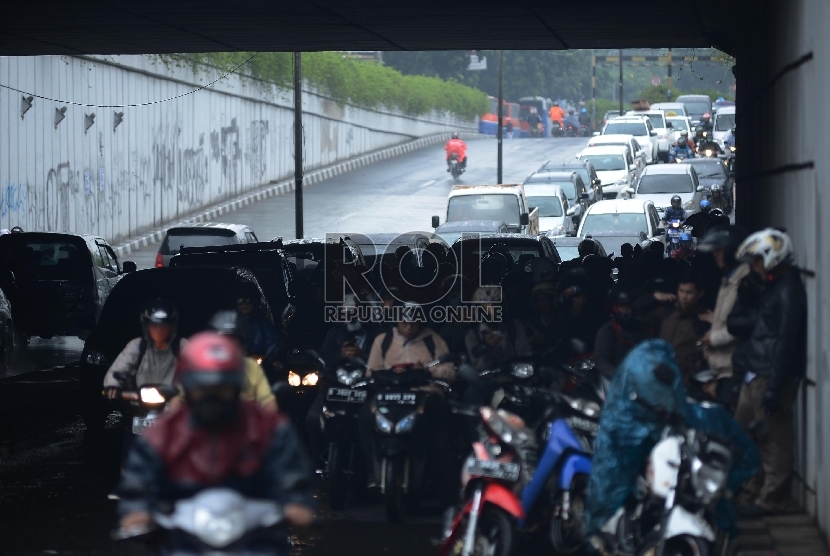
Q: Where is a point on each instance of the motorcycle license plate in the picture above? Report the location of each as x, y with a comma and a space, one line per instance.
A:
141, 424
585, 425
494, 469
398, 398
346, 395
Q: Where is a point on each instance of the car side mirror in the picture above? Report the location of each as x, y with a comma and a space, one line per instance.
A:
435, 221
701, 189
524, 219
630, 190
653, 133
595, 134
570, 233
730, 174
597, 182
660, 231
128, 266
571, 211
632, 166
584, 196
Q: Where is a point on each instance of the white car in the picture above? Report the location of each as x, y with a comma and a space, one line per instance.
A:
671, 109
680, 123
659, 184
724, 122
625, 141
640, 128
615, 167
665, 136
552, 203
619, 221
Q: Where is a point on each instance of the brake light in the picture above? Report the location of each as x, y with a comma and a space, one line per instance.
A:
159, 261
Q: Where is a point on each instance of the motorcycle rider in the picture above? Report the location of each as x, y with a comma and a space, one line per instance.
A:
456, 146
717, 200
501, 341
262, 335
533, 121
723, 243
729, 142
584, 118
573, 320
708, 143
557, 114
706, 123
681, 148
572, 120
150, 359
687, 247
215, 439
770, 319
618, 336
675, 211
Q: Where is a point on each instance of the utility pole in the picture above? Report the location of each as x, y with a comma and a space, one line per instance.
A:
298, 145
501, 114
594, 90
621, 83
668, 80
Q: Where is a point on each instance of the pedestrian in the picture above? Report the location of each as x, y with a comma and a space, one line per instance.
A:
509, 128
770, 319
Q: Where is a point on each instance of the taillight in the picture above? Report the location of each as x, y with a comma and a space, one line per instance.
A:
159, 260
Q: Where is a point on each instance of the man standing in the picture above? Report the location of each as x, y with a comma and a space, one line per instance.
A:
771, 321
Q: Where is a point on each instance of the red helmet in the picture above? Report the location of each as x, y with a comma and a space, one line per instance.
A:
706, 116
210, 359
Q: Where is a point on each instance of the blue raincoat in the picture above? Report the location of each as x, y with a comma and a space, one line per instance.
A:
628, 431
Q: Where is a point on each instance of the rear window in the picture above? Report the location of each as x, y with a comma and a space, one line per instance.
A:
656, 120
618, 222
625, 128
724, 122
498, 207
47, 259
175, 240
548, 206
665, 183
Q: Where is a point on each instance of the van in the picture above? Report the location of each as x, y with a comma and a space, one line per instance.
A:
697, 105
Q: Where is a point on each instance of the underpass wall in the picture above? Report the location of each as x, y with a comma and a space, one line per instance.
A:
783, 79
68, 164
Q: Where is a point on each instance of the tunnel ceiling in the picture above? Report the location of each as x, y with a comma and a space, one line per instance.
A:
155, 26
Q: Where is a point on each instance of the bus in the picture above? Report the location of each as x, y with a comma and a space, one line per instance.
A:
489, 122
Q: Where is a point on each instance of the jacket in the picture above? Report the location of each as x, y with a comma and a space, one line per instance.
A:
674, 214
718, 203
682, 149
259, 456
402, 351
262, 336
337, 336
458, 147
571, 120
556, 114
614, 342
774, 335
153, 367
722, 344
514, 343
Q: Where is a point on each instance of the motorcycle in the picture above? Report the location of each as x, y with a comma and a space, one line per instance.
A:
455, 166
301, 371
571, 131
673, 232
584, 131
556, 129
400, 445
144, 405
538, 130
502, 461
339, 422
214, 521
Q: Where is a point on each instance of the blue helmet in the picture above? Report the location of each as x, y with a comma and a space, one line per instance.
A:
705, 203
584, 111
685, 236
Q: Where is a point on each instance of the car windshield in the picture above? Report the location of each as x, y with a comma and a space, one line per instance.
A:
568, 253
665, 183
679, 124
605, 162
175, 241
697, 107
625, 223
657, 120
548, 206
625, 128
706, 169
499, 208
724, 122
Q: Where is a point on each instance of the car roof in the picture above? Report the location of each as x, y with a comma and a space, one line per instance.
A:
548, 188
726, 110
406, 238
632, 118
611, 137
604, 149
551, 176
659, 105
644, 112
619, 206
504, 236
665, 169
54, 235
209, 225
471, 226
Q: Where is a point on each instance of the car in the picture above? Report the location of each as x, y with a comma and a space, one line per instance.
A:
381, 247
305, 254
672, 109
7, 334
624, 140
198, 292
615, 166
552, 203
568, 247
680, 123
660, 183
723, 124
203, 234
642, 130
610, 115
584, 168
713, 171
57, 283
665, 135
619, 221
451, 231
696, 106
579, 198
523, 247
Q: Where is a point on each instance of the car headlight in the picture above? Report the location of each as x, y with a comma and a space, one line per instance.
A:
384, 425
406, 424
151, 396
294, 379
689, 205
522, 370
96, 358
347, 378
218, 531
587, 408
311, 379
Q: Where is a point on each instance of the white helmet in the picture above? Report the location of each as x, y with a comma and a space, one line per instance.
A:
774, 246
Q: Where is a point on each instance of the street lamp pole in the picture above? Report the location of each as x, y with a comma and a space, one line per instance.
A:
298, 145
501, 115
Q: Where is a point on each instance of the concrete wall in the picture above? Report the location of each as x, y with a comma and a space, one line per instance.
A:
783, 128
165, 159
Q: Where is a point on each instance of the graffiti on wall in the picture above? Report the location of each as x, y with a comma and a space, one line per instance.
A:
256, 148
12, 199
193, 177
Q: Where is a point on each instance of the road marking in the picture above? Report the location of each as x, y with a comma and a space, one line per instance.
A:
427, 184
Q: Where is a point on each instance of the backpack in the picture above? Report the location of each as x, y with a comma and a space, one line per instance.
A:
387, 341
142, 349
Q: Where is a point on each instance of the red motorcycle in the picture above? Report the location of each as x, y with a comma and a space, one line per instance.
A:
502, 462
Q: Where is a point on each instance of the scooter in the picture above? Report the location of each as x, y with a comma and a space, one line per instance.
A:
503, 460
214, 521
556, 129
455, 166
345, 395
144, 405
301, 370
673, 232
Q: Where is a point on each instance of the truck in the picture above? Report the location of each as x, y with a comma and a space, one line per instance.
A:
501, 203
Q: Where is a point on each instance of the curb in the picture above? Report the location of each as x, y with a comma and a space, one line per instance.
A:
277, 189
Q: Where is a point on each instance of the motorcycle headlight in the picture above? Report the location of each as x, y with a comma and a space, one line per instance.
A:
311, 379
586, 407
384, 425
218, 531
732, 149
707, 480
347, 378
259, 360
708, 152
406, 424
294, 379
522, 370
96, 358
499, 425
151, 396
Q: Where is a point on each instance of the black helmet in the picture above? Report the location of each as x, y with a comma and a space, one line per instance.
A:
676, 198
230, 323
587, 247
455, 135
160, 311
727, 238
621, 294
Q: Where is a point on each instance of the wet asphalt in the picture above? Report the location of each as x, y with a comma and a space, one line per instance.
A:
54, 483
